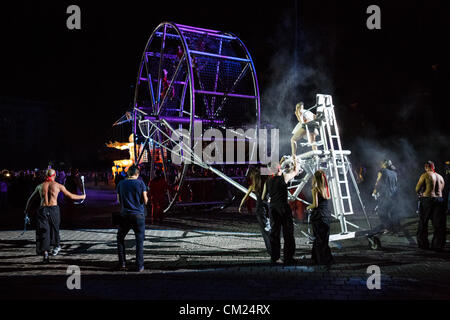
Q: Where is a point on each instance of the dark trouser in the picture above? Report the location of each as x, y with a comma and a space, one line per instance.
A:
321, 252
262, 216
47, 228
157, 210
127, 222
439, 221
388, 217
425, 215
281, 217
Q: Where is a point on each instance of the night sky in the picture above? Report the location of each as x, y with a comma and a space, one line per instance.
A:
388, 84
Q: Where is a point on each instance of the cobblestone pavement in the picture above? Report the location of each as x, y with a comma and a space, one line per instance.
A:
211, 264
217, 255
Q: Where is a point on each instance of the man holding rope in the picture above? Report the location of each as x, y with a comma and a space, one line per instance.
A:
48, 217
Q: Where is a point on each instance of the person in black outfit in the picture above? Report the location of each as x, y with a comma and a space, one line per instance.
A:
386, 190
446, 191
262, 210
439, 217
426, 190
132, 196
320, 220
280, 211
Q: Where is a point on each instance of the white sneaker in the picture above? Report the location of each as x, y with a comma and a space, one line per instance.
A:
56, 250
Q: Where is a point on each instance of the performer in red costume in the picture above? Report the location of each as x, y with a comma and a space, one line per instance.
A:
158, 191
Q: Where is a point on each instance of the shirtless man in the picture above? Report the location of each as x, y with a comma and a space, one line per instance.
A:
439, 217
48, 218
427, 183
303, 117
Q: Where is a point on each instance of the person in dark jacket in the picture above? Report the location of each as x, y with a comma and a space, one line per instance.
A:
385, 191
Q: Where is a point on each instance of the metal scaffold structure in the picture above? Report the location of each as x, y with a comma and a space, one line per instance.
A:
334, 161
192, 79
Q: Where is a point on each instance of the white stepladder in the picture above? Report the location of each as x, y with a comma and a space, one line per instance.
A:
331, 158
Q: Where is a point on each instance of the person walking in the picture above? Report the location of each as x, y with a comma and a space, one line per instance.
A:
48, 216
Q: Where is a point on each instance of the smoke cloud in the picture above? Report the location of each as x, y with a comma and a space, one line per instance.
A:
295, 73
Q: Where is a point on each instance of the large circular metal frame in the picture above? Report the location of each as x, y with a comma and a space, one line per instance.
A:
190, 74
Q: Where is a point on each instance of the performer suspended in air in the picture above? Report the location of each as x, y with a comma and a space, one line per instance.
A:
320, 220
48, 216
262, 210
304, 118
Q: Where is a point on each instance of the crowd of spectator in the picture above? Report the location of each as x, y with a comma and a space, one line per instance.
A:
17, 185
200, 185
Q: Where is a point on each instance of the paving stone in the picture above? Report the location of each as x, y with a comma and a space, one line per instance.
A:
192, 254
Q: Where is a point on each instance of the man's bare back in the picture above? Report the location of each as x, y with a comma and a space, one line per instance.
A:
429, 178
48, 192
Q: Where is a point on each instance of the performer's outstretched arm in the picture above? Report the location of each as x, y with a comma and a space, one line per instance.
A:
70, 195
376, 183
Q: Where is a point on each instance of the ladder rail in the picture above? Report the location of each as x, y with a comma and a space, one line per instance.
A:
338, 157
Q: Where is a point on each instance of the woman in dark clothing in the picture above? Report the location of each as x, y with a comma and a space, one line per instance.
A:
261, 207
320, 220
